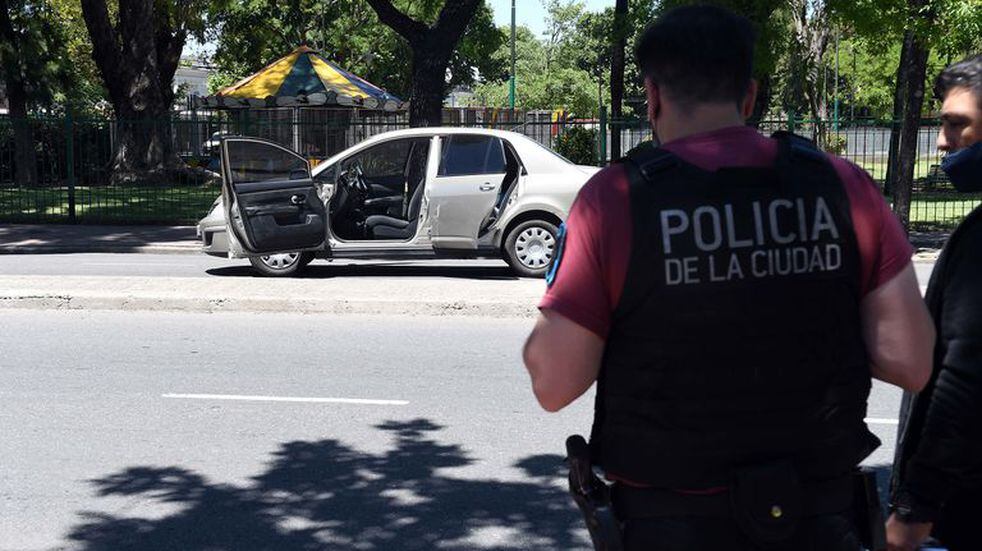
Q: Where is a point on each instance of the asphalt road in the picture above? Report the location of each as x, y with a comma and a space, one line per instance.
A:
402, 433
172, 265
199, 265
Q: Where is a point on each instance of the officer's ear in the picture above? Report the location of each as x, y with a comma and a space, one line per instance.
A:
749, 100
654, 99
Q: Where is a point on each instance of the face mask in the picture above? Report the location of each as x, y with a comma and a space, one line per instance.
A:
964, 168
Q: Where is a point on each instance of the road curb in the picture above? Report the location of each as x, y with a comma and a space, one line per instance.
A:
267, 305
68, 249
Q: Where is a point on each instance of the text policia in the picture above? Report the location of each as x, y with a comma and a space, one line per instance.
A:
760, 239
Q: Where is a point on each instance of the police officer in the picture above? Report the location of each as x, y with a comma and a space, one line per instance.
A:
732, 295
938, 468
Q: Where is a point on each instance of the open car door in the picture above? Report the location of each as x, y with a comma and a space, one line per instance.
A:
271, 203
467, 184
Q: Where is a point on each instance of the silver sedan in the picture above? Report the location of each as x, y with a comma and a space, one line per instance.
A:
416, 193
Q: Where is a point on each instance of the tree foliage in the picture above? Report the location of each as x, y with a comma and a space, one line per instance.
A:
542, 81
82, 91
874, 30
32, 52
569, 66
29, 46
250, 34
137, 48
432, 46
578, 144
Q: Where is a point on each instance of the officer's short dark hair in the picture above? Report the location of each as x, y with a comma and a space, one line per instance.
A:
964, 74
698, 54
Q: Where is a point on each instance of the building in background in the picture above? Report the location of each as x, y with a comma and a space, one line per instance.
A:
191, 78
460, 96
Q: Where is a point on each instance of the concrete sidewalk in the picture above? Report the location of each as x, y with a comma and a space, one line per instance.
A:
383, 296
433, 295
81, 238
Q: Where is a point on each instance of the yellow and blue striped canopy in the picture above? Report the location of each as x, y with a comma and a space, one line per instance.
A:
303, 78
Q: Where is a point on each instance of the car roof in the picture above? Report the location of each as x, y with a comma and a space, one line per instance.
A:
518, 140
435, 130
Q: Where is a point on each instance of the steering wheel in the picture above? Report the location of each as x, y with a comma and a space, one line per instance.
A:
353, 178
359, 182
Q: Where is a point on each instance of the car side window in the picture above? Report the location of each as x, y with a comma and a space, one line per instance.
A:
464, 155
328, 175
260, 162
387, 159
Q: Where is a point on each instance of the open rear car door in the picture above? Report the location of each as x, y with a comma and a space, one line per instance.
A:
271, 203
466, 188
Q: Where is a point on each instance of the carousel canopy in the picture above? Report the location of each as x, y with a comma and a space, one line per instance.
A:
302, 78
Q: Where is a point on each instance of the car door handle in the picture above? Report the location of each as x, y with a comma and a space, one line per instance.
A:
298, 199
487, 187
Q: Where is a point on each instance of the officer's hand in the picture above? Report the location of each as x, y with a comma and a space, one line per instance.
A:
902, 536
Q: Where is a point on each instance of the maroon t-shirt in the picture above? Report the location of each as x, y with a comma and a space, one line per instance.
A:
590, 278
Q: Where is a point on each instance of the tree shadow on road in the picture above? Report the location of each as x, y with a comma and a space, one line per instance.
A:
67, 238
326, 271
326, 495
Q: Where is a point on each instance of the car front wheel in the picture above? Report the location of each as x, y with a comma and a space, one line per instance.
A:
281, 264
530, 246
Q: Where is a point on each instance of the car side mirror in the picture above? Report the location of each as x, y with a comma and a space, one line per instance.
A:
298, 174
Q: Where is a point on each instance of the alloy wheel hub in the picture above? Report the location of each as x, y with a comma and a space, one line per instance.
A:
535, 247
280, 261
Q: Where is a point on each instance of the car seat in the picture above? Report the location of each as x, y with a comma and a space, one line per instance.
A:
381, 226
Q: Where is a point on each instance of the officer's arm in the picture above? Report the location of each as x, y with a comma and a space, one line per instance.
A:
563, 359
898, 332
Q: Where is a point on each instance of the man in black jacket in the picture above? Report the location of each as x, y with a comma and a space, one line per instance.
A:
937, 478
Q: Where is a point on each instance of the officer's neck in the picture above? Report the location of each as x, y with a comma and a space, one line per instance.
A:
675, 124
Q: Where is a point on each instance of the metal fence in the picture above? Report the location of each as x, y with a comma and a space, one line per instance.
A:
75, 182
935, 205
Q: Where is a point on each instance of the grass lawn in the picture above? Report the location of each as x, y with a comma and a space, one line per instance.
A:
878, 168
186, 205
112, 205
942, 210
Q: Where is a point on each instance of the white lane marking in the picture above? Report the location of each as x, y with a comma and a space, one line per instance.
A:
879, 421
150, 264
359, 401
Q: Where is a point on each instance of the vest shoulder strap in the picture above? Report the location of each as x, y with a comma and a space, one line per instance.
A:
795, 147
648, 161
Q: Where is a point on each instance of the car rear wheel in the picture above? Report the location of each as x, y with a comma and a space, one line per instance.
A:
281, 264
530, 246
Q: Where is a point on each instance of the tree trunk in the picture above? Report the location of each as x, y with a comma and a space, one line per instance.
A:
820, 112
617, 63
432, 47
144, 146
916, 72
25, 159
812, 27
899, 93
428, 85
137, 59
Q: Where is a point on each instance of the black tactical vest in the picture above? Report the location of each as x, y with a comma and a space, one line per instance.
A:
737, 339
